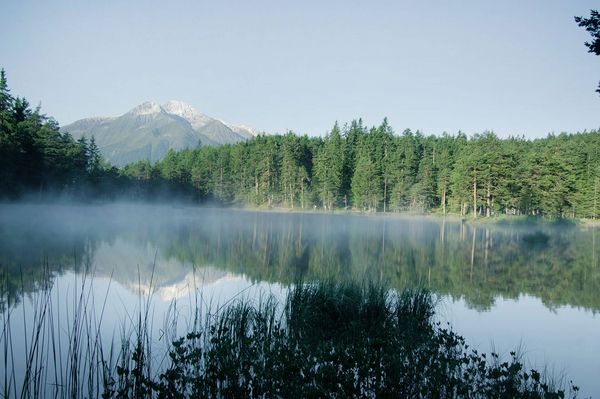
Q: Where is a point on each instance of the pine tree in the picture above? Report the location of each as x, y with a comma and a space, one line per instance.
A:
366, 182
290, 167
387, 161
353, 135
445, 148
592, 26
6, 102
95, 159
424, 191
328, 167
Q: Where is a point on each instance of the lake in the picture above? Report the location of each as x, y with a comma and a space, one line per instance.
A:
503, 286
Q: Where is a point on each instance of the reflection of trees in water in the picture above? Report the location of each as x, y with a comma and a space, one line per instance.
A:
31, 258
475, 262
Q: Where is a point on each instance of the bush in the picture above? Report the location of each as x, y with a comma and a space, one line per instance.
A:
338, 340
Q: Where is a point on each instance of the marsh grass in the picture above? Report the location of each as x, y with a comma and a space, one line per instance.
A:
324, 339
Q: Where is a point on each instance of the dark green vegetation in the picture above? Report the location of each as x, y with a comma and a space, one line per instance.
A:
376, 170
592, 26
353, 167
35, 158
325, 340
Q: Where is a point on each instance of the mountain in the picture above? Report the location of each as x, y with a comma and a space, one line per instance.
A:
244, 131
150, 130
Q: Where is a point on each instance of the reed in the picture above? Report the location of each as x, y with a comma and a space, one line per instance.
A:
324, 339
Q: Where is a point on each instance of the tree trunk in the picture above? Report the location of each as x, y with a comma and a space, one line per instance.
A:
489, 201
473, 253
444, 201
474, 192
487, 243
595, 197
384, 195
302, 193
221, 183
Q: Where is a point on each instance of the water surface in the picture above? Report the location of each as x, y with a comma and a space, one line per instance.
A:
503, 286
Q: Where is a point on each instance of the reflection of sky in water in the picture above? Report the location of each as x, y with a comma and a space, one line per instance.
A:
115, 309
490, 282
565, 339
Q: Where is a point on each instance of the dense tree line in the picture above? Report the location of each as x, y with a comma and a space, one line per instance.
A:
373, 169
36, 158
352, 167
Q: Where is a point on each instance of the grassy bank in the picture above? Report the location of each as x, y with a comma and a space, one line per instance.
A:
325, 340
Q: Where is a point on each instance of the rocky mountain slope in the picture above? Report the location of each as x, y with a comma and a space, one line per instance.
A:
149, 130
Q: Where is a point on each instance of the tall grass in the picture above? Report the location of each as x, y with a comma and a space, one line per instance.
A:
63, 350
324, 340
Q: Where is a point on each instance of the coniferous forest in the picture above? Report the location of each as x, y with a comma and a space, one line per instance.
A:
354, 167
36, 159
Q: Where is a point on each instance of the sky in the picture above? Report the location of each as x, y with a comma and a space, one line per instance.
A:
514, 67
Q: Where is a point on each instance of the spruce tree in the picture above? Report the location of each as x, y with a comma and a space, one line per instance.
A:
328, 165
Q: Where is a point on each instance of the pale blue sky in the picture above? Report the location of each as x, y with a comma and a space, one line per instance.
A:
515, 67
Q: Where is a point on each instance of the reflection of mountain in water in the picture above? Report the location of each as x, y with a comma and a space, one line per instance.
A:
475, 262
178, 289
169, 278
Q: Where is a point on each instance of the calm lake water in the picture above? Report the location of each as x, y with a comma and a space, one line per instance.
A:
535, 288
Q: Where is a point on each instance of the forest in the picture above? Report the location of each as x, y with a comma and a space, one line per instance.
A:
353, 167
36, 159
372, 169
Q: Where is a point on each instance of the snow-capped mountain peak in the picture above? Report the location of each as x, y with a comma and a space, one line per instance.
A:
179, 108
149, 130
241, 129
147, 108
187, 112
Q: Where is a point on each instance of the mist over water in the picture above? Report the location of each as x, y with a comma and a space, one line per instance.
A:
511, 284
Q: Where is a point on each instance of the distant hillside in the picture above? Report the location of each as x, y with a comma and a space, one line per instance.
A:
149, 130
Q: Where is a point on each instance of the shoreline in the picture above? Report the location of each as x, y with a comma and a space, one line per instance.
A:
451, 217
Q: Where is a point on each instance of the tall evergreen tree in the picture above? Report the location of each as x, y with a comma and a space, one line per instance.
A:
592, 26
328, 168
353, 135
290, 168
366, 182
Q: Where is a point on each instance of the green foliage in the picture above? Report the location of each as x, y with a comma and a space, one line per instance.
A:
330, 340
325, 340
592, 26
376, 170
328, 169
366, 182
352, 167
35, 157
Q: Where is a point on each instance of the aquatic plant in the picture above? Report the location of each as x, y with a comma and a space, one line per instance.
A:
339, 340
325, 339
